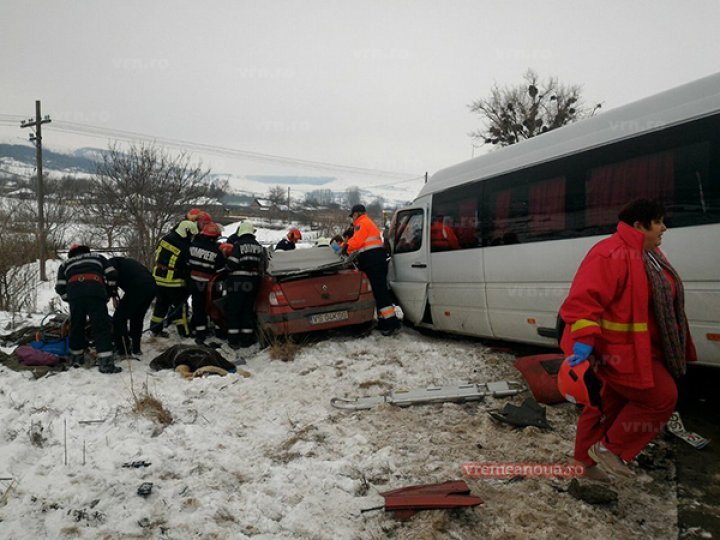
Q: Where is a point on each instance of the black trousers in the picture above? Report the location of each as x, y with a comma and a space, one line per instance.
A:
374, 264
94, 308
173, 300
240, 309
199, 308
129, 317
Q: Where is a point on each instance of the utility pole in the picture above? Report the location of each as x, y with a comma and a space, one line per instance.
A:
37, 139
288, 213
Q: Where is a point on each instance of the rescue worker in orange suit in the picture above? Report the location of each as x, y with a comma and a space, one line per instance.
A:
85, 281
442, 237
290, 240
626, 309
171, 273
367, 243
205, 261
139, 290
245, 265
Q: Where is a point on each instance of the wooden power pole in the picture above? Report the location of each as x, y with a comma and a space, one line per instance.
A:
37, 139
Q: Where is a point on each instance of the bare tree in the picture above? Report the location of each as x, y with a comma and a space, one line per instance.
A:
352, 196
151, 189
277, 195
58, 207
513, 113
18, 275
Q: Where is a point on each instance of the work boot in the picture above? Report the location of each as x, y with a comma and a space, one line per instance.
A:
160, 333
609, 462
106, 364
392, 326
77, 360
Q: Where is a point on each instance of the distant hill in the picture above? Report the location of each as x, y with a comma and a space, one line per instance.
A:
78, 161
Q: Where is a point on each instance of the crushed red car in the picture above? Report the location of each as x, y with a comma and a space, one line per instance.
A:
303, 290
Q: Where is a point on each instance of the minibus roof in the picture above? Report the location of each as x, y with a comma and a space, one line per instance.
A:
690, 101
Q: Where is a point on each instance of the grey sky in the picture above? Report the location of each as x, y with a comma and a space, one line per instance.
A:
379, 84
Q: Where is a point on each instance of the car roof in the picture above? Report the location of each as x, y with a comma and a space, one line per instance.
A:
302, 260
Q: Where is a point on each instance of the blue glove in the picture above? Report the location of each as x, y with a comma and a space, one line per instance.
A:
581, 352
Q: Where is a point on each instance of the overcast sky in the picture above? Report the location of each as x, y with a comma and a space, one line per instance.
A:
376, 84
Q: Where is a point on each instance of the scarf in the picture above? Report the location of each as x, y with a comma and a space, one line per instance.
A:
669, 313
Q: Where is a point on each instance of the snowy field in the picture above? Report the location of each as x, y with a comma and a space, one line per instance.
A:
268, 457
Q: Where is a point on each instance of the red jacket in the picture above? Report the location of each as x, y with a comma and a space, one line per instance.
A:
607, 307
366, 236
442, 237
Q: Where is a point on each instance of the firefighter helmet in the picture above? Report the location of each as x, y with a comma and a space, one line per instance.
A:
246, 227
186, 228
193, 214
211, 229
579, 384
294, 234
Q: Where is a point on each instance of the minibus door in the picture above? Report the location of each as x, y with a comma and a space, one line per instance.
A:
409, 266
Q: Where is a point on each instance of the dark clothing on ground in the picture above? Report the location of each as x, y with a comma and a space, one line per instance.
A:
205, 261
171, 273
193, 356
284, 245
245, 266
139, 288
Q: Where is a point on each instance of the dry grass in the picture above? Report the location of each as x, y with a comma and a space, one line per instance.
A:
284, 349
149, 406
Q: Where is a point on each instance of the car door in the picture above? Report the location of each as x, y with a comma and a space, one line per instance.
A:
409, 269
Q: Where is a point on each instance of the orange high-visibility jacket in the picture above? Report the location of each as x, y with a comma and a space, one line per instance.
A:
366, 236
608, 306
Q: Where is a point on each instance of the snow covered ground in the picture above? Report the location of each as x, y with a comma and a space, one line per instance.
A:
269, 456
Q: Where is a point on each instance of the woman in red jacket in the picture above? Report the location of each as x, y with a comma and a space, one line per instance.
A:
625, 314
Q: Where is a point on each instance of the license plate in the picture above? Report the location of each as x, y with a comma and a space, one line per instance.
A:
333, 316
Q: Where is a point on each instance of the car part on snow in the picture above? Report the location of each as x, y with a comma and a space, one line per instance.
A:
527, 414
145, 489
540, 372
433, 394
405, 502
676, 427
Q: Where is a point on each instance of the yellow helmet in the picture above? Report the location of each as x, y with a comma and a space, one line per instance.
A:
246, 227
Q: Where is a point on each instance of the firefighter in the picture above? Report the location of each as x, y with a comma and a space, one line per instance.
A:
206, 260
245, 266
171, 274
139, 290
85, 281
290, 240
367, 243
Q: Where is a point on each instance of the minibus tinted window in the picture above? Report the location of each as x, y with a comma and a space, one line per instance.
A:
408, 231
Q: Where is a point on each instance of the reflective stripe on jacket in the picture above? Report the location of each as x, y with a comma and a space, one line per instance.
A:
171, 261
366, 236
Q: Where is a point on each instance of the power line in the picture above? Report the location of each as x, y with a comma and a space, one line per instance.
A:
100, 132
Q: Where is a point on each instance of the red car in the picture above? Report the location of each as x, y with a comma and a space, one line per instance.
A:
304, 290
